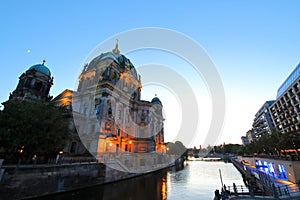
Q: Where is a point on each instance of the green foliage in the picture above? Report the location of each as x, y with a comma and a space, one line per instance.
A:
228, 148
36, 125
176, 148
273, 143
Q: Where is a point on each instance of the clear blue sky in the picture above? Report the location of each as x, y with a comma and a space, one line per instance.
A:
254, 44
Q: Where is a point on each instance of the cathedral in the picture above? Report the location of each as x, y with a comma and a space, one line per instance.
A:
110, 120
109, 112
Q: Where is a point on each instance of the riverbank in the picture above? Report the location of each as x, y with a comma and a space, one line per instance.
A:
28, 181
197, 180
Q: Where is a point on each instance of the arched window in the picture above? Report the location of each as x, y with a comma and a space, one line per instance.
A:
109, 111
143, 117
119, 114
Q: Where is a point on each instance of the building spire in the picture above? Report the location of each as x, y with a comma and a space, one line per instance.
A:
116, 49
44, 62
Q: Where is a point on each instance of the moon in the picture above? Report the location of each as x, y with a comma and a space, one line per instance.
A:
28, 51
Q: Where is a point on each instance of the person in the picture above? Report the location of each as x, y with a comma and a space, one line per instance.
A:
57, 160
217, 195
34, 159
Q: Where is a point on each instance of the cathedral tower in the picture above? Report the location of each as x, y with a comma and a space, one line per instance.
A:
35, 83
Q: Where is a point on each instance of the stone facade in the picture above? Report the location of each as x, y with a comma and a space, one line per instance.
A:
109, 113
35, 83
20, 182
74, 146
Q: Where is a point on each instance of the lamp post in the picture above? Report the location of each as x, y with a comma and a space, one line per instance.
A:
20, 151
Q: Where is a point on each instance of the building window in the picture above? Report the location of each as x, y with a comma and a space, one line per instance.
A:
119, 114
143, 117
109, 111
127, 118
38, 85
108, 125
97, 109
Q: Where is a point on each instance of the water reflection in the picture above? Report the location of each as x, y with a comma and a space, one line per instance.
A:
200, 179
197, 181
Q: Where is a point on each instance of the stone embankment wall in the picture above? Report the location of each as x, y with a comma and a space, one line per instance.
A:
28, 181
24, 181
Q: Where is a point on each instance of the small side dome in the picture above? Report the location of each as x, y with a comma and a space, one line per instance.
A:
156, 100
41, 68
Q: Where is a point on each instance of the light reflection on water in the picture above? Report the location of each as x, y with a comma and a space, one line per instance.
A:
198, 180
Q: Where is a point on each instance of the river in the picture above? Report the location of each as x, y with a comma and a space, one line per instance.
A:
198, 180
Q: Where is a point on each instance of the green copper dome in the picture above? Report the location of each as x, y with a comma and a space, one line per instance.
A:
156, 100
41, 68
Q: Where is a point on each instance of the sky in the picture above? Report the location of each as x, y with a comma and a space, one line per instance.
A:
254, 46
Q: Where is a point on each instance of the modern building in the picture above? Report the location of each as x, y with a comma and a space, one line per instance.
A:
35, 83
250, 136
262, 123
108, 111
285, 111
245, 140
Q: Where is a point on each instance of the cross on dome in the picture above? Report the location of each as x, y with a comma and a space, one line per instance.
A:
116, 49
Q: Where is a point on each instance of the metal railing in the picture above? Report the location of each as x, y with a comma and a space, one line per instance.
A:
292, 190
278, 190
236, 189
51, 162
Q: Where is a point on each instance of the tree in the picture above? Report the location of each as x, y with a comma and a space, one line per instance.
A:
176, 148
33, 126
274, 143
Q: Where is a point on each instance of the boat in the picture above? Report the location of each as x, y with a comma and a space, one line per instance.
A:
212, 159
192, 158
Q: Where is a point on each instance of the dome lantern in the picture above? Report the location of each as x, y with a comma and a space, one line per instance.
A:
41, 68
